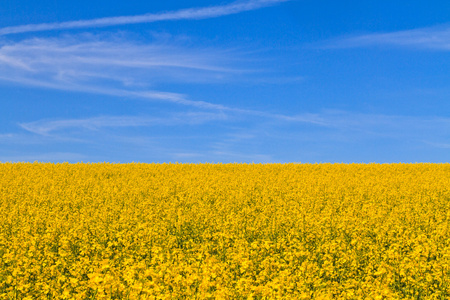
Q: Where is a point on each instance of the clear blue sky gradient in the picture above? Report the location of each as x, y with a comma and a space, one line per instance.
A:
248, 81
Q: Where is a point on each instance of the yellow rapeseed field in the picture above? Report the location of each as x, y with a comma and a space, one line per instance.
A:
224, 231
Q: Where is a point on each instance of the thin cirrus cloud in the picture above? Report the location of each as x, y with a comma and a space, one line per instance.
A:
389, 126
337, 129
352, 127
117, 66
114, 66
120, 67
432, 38
184, 14
48, 127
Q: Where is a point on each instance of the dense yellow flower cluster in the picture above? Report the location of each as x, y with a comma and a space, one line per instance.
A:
224, 231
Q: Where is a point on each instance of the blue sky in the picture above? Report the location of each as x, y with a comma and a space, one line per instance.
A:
221, 81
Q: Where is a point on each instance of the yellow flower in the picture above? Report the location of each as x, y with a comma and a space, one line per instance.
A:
224, 231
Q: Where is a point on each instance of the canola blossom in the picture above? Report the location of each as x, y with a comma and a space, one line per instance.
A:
224, 231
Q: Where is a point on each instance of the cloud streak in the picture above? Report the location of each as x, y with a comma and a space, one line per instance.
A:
388, 126
119, 67
47, 127
184, 14
113, 66
432, 38
147, 134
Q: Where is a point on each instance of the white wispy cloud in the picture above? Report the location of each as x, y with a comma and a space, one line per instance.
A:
121, 67
112, 65
184, 14
156, 137
47, 127
434, 38
345, 124
383, 125
331, 126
